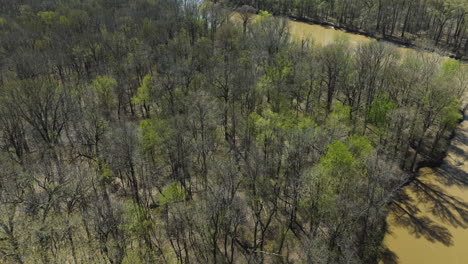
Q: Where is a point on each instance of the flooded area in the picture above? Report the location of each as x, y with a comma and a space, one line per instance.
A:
437, 200
434, 229
323, 35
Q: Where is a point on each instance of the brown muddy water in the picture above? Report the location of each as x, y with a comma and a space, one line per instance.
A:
442, 237
436, 197
439, 196
322, 35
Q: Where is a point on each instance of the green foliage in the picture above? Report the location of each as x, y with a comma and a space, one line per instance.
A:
330, 177
104, 86
450, 115
144, 91
318, 187
269, 124
134, 221
380, 109
359, 146
449, 68
47, 17
340, 112
339, 117
64, 20
103, 169
172, 193
149, 137
280, 70
337, 162
155, 135
263, 16
344, 163
260, 129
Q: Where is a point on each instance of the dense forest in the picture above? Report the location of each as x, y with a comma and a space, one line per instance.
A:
172, 131
428, 24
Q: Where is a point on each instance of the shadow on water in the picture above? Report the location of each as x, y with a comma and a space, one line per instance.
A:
457, 150
389, 257
407, 216
445, 208
463, 137
448, 209
425, 208
452, 175
429, 206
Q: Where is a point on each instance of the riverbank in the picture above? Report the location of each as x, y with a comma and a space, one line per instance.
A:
438, 200
426, 202
406, 43
435, 197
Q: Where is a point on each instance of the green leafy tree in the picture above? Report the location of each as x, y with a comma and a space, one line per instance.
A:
172, 193
143, 96
105, 86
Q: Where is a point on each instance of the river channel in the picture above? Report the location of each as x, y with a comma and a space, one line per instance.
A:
446, 241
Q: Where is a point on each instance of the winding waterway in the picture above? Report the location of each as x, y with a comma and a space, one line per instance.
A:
442, 237
325, 35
